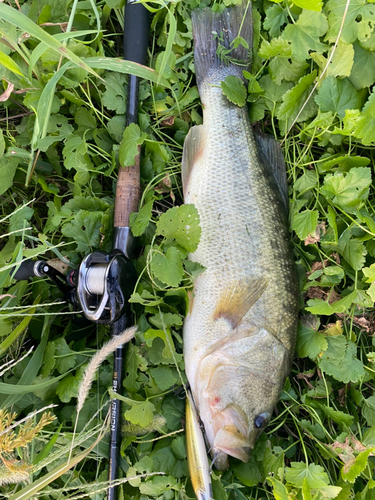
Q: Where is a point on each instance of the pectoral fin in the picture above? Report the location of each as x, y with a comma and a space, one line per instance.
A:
238, 299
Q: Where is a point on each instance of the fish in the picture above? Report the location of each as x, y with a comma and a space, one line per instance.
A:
199, 469
239, 334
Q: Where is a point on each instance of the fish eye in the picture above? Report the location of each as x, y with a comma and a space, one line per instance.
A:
261, 420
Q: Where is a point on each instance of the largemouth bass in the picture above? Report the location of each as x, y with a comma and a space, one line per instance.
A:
239, 335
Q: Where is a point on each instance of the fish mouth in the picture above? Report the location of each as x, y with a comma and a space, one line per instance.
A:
230, 440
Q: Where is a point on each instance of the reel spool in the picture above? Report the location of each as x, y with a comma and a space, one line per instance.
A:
104, 283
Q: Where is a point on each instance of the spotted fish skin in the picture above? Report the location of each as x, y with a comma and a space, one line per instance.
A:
239, 335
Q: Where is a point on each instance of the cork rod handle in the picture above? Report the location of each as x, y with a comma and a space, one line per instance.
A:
128, 193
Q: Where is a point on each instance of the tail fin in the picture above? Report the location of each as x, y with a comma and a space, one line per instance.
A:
228, 25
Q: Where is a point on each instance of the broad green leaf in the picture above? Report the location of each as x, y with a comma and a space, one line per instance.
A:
168, 354
116, 127
129, 147
304, 223
273, 459
368, 410
371, 292
315, 475
181, 224
114, 97
342, 60
141, 413
357, 11
253, 85
305, 34
350, 471
337, 416
314, 429
337, 96
357, 297
165, 320
173, 409
310, 4
193, 268
310, 342
21, 218
75, 155
369, 272
65, 358
48, 359
249, 474
278, 489
276, 17
273, 95
283, 65
166, 461
308, 180
286, 68
134, 361
68, 388
363, 70
57, 128
275, 47
318, 306
84, 229
158, 485
350, 190
146, 298
140, 220
295, 98
178, 446
8, 168
353, 250
306, 492
340, 360
163, 376
234, 89
365, 128
167, 267
366, 37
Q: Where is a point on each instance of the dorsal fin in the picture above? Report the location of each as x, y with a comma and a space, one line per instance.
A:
272, 157
238, 299
193, 148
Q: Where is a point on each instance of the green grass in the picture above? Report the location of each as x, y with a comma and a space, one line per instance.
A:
60, 131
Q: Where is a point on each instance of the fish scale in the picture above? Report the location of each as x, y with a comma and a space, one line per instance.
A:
240, 332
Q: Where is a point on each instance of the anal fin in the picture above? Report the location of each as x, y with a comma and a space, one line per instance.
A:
238, 299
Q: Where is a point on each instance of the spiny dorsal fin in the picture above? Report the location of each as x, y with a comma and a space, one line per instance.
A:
272, 157
238, 299
193, 148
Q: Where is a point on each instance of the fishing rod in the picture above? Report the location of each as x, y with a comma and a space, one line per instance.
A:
128, 192
102, 285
